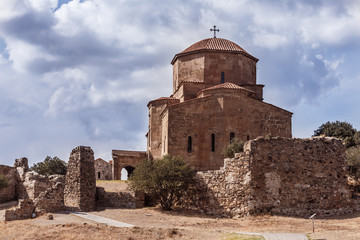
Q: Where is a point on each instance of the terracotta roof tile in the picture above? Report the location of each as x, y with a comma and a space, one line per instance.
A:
226, 85
214, 44
210, 44
163, 98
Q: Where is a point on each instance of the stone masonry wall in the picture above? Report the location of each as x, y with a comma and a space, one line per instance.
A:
103, 169
299, 176
51, 200
278, 175
24, 210
8, 193
223, 192
80, 185
118, 199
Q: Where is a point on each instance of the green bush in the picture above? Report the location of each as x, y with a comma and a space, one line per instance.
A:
341, 130
235, 146
3, 182
165, 179
50, 166
353, 160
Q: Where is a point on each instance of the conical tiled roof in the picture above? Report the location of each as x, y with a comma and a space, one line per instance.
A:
213, 44
227, 85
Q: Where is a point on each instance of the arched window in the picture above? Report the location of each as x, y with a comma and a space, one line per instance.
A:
213, 142
232, 135
222, 77
189, 146
98, 175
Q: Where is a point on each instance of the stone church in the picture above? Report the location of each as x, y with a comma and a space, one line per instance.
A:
215, 98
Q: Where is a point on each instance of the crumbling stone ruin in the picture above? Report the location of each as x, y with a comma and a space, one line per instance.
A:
277, 175
80, 185
36, 193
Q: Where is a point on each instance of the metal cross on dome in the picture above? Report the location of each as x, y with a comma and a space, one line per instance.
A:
214, 30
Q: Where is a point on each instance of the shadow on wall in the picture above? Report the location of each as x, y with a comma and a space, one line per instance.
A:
126, 172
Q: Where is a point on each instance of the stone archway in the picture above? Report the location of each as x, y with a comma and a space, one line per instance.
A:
129, 171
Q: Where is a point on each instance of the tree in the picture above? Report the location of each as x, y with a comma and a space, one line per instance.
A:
166, 179
3, 182
235, 146
50, 166
353, 160
341, 130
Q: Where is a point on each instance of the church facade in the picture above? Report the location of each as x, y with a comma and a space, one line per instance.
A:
215, 98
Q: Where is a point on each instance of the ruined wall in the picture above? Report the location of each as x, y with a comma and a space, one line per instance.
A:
103, 170
299, 176
278, 175
118, 199
80, 183
9, 193
224, 192
51, 200
24, 210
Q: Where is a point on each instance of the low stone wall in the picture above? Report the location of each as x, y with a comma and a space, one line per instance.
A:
23, 211
8, 193
278, 175
118, 199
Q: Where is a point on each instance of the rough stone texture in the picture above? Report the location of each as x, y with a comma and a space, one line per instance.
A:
278, 175
125, 159
8, 193
23, 211
80, 185
118, 199
220, 114
51, 200
103, 170
30, 187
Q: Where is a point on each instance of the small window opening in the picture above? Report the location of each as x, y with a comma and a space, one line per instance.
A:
248, 137
98, 175
189, 146
213, 142
232, 136
222, 77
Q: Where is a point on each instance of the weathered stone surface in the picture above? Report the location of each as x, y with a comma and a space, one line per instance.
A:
8, 193
118, 199
103, 169
126, 159
278, 175
80, 185
24, 210
50, 200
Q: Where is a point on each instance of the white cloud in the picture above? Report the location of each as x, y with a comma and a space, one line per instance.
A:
87, 70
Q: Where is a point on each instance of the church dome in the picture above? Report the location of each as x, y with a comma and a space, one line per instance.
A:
213, 44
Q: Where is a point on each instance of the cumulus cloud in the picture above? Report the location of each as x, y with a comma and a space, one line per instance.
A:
83, 71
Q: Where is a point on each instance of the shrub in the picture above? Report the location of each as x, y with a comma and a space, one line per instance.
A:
341, 130
235, 146
50, 166
166, 179
353, 160
3, 182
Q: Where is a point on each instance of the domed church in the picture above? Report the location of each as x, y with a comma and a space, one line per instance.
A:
215, 99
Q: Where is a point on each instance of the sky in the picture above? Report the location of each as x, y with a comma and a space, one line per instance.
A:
82, 72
